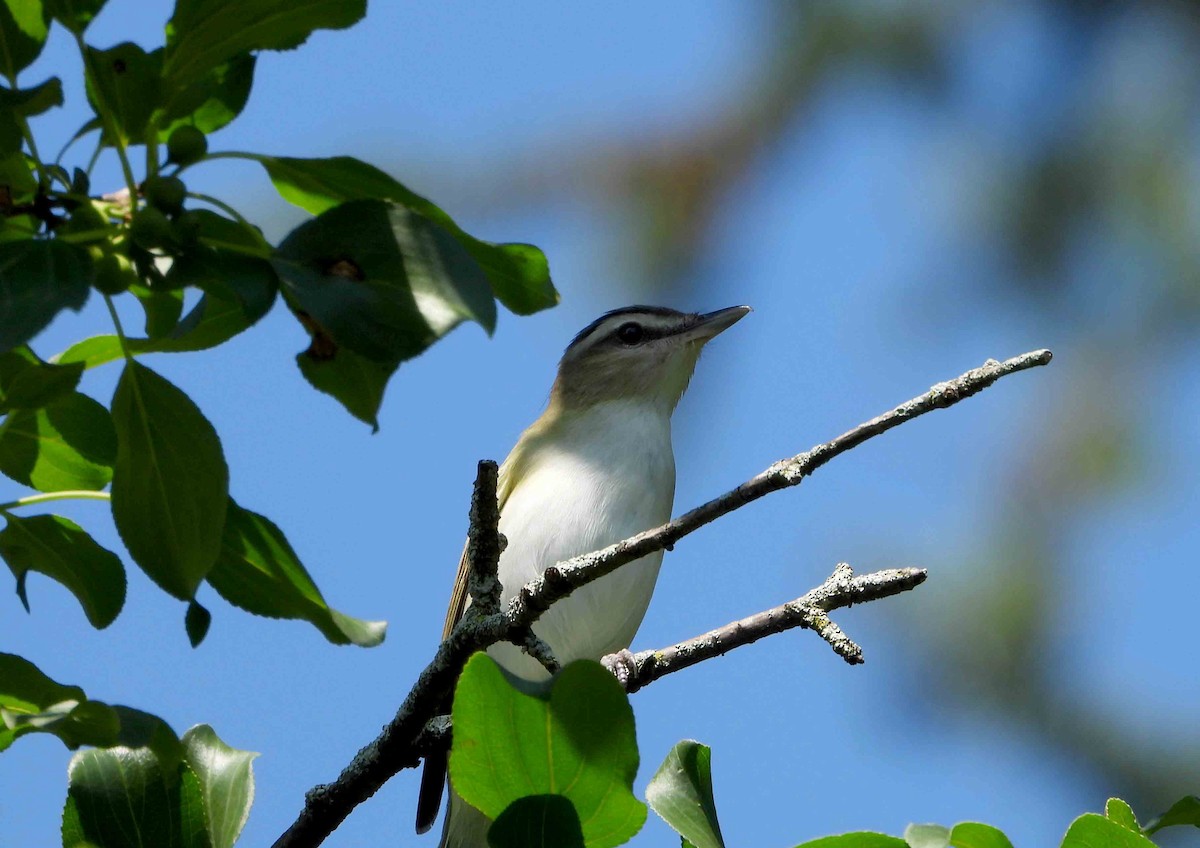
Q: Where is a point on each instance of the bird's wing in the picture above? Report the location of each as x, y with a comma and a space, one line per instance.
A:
433, 777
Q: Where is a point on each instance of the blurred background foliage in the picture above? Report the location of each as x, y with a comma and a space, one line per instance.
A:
1073, 205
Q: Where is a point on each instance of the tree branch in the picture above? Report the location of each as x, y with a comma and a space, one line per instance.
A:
811, 611
327, 805
484, 542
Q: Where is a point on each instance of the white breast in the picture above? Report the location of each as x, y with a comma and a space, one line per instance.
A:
602, 477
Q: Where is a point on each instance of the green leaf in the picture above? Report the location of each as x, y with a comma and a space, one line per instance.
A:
92, 351
26, 382
75, 15
24, 25
121, 796
1183, 812
211, 102
354, 381
976, 835
124, 83
858, 839
380, 280
211, 322
170, 483
39, 279
537, 821
518, 273
196, 623
24, 103
145, 730
226, 783
1117, 810
28, 102
204, 34
681, 793
68, 444
927, 836
258, 571
60, 549
1094, 831
30, 702
576, 739
162, 307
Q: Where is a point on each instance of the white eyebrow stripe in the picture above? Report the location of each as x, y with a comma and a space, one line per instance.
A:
655, 323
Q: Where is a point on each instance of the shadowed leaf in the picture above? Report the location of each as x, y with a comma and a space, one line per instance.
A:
60, 549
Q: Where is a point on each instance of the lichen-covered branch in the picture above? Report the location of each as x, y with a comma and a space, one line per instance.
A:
484, 542
811, 611
327, 805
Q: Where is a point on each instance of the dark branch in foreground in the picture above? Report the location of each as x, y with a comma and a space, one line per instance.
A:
327, 805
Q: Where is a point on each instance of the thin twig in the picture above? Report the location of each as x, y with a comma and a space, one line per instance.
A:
810, 611
327, 805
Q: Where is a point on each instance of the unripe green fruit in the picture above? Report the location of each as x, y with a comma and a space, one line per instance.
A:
114, 272
165, 194
186, 145
150, 229
86, 219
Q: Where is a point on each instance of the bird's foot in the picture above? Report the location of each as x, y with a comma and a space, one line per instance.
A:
622, 665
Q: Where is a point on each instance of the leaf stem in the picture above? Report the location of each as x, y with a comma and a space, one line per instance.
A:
27, 132
116, 319
46, 497
223, 206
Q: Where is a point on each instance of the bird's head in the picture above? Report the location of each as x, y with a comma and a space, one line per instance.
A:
642, 353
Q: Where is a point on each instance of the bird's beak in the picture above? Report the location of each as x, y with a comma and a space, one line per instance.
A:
713, 323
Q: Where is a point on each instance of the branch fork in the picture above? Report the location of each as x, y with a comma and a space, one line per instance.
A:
416, 729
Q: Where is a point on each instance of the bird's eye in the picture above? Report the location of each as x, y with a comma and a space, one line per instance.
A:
629, 334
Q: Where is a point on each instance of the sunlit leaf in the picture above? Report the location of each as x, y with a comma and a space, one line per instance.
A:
927, 836
858, 839
576, 739
1120, 812
226, 783
681, 793
977, 835
117, 797
1094, 831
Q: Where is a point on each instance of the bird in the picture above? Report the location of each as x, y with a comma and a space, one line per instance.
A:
596, 467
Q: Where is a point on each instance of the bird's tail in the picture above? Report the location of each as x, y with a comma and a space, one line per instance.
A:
465, 826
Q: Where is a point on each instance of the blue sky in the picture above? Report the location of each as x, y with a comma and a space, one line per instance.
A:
847, 240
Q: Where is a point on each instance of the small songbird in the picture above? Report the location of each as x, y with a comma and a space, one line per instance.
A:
595, 468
